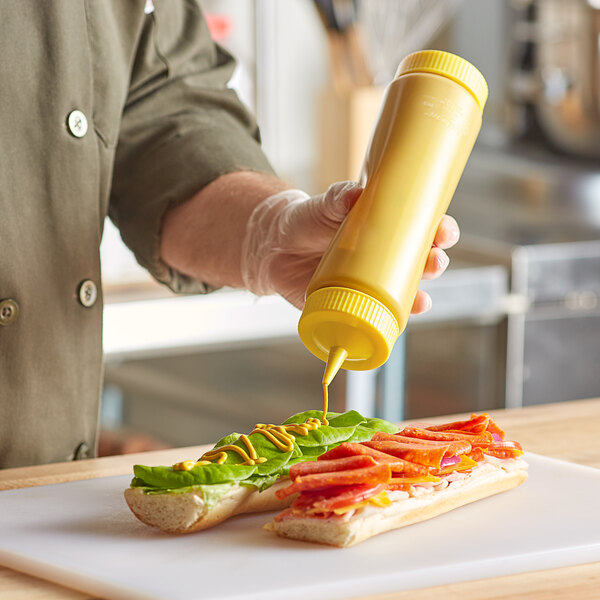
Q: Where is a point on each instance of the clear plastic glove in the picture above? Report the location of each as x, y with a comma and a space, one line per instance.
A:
288, 233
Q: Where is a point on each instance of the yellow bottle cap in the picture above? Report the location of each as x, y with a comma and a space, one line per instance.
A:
449, 65
354, 328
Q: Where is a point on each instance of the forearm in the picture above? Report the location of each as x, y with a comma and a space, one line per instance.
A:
203, 237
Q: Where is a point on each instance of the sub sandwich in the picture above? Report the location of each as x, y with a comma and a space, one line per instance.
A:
358, 490
242, 473
340, 478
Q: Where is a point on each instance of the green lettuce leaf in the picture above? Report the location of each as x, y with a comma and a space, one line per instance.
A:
262, 445
310, 452
381, 425
310, 414
168, 478
262, 483
347, 419
365, 430
213, 493
361, 434
228, 439
325, 436
349, 426
273, 465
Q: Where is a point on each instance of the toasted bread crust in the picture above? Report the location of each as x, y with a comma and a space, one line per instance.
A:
359, 527
186, 513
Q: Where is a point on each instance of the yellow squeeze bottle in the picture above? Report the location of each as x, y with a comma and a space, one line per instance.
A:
360, 297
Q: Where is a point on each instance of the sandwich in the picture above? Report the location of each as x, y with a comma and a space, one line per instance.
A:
242, 473
338, 478
357, 490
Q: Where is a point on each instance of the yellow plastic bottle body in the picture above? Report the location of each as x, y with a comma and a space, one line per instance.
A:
425, 133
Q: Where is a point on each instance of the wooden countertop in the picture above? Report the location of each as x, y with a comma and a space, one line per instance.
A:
568, 431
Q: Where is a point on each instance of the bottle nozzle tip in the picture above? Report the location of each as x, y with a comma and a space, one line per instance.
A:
337, 356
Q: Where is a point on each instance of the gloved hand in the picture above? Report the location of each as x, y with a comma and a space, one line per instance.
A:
288, 233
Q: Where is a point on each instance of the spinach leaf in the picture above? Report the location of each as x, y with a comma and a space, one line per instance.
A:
168, 478
273, 465
310, 452
262, 483
262, 445
309, 414
381, 425
325, 436
213, 493
350, 426
228, 439
361, 434
347, 419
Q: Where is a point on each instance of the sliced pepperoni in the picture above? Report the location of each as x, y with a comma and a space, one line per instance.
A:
397, 465
399, 487
454, 448
346, 449
307, 499
476, 424
328, 466
476, 454
447, 436
429, 456
493, 427
354, 495
466, 464
379, 473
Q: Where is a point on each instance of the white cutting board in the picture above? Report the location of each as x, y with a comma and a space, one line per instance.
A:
82, 535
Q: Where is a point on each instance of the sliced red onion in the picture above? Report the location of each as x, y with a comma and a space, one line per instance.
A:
496, 437
449, 461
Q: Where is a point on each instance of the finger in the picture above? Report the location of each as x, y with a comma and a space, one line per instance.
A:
447, 234
336, 203
437, 263
311, 224
422, 303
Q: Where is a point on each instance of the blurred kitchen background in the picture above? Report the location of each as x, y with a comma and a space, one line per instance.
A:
516, 319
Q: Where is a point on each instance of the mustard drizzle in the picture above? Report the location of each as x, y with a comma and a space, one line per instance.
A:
220, 454
282, 436
325, 403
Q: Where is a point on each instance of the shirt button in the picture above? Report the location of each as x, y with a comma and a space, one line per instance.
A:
88, 293
9, 311
82, 451
77, 123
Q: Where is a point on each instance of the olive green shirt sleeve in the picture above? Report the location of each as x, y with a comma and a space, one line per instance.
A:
181, 128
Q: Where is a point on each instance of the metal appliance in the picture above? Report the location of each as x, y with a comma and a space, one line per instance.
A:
554, 72
540, 218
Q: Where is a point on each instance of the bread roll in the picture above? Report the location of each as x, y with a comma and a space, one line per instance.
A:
187, 512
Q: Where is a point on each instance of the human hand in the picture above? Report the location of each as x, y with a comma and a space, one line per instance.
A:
288, 233
437, 262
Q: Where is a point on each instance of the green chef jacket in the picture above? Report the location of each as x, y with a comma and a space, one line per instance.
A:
106, 107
